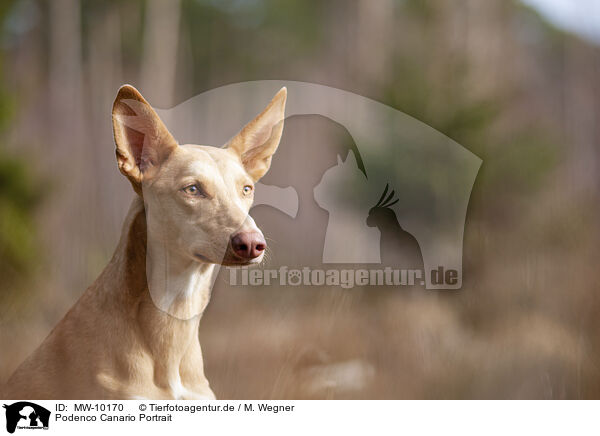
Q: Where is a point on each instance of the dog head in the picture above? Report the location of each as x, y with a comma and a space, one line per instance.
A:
197, 197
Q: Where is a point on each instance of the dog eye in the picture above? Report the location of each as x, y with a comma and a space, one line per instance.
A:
247, 189
193, 190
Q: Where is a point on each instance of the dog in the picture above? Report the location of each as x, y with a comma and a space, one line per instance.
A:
134, 332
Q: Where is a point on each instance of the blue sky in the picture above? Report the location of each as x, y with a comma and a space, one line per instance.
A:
578, 16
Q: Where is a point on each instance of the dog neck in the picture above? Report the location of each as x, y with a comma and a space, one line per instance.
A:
171, 336
166, 304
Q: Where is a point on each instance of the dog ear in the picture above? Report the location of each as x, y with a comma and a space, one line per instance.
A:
143, 142
258, 140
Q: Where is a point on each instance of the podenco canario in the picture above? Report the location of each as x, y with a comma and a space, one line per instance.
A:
134, 332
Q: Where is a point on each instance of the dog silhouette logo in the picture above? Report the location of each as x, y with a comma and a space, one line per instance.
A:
26, 415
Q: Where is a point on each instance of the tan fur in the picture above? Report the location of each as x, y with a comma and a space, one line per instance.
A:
117, 342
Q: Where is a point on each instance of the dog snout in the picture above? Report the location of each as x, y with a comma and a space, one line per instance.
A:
248, 245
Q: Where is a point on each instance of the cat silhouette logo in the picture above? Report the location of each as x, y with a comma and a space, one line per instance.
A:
26, 415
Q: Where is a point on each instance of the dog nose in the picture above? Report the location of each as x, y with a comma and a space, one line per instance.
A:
248, 245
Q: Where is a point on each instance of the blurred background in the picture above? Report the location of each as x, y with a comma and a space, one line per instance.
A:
517, 83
